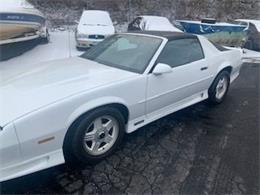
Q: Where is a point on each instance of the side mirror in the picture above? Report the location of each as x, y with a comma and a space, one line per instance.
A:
161, 68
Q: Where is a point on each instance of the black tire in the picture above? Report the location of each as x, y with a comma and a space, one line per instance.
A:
82, 48
213, 99
78, 48
46, 40
74, 150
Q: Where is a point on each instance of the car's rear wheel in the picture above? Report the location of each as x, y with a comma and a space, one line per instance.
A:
219, 88
97, 135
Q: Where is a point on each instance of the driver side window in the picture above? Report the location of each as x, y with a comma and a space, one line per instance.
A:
181, 51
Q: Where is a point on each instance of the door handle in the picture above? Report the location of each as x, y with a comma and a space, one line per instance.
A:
204, 68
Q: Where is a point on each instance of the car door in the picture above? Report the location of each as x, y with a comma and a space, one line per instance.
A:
187, 80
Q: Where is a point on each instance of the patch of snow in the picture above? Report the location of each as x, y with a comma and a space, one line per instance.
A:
94, 17
14, 3
120, 28
158, 23
255, 22
62, 45
10, 3
94, 22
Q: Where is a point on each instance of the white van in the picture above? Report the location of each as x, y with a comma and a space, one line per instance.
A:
94, 26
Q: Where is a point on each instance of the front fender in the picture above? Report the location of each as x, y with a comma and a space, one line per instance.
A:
90, 105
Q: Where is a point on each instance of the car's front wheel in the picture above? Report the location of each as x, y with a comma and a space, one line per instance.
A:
219, 88
96, 135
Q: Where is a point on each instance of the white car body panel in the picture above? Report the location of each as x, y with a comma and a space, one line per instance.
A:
95, 29
176, 87
9, 147
158, 23
38, 107
93, 22
60, 79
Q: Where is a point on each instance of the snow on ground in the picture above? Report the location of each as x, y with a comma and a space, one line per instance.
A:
251, 56
62, 45
121, 28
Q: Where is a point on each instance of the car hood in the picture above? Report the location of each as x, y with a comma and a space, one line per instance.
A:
96, 29
50, 82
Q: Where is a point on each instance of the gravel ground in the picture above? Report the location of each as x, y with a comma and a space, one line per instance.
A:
200, 150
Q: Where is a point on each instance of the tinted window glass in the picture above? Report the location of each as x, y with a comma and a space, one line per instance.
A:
181, 51
127, 52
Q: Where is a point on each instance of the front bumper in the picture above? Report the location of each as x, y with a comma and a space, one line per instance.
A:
13, 164
9, 150
32, 165
85, 43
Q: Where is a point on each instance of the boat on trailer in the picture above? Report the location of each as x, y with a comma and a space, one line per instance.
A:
228, 34
19, 21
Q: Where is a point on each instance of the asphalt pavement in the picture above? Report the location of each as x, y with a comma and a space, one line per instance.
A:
200, 150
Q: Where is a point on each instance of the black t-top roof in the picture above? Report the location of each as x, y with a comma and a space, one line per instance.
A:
168, 35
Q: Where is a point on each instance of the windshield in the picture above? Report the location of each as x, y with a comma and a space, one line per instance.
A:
127, 52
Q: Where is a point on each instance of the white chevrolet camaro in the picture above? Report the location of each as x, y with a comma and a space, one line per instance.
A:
78, 109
